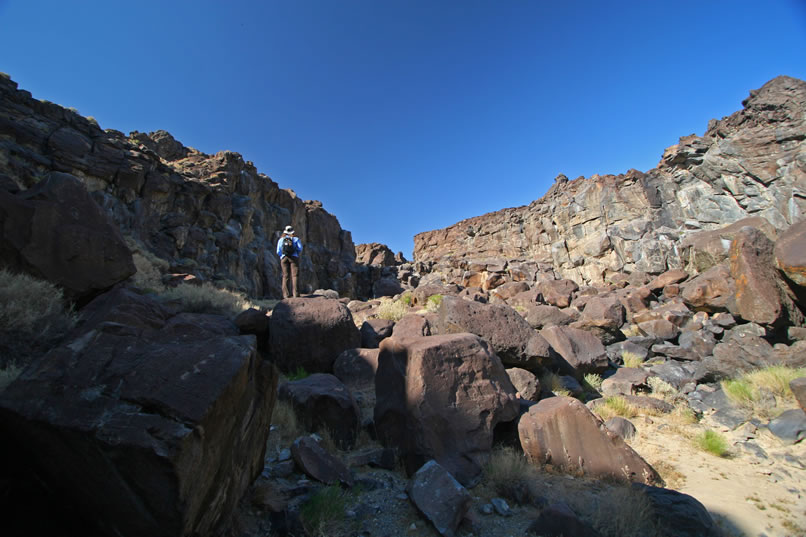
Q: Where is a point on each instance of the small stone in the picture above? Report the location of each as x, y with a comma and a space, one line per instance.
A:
402, 496
284, 455
486, 509
501, 506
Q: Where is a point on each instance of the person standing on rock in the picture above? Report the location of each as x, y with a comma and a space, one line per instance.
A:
288, 248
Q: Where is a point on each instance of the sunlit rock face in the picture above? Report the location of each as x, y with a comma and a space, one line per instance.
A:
749, 164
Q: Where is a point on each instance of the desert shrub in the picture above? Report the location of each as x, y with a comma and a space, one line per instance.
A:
285, 427
407, 298
93, 121
149, 267
433, 303
207, 298
683, 414
746, 391
712, 442
34, 316
661, 387
324, 512
510, 475
551, 381
297, 374
630, 359
593, 381
5, 76
616, 406
620, 512
392, 310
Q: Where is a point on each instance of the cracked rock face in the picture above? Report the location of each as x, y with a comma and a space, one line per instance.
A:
214, 216
749, 164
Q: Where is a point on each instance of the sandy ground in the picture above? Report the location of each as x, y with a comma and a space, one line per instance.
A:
747, 495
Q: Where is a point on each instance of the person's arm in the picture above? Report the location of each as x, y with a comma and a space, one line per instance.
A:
280, 248
299, 245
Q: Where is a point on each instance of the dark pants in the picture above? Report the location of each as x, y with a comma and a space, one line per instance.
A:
290, 265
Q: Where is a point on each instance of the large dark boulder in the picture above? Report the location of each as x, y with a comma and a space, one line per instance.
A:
323, 402
145, 422
678, 514
56, 231
311, 333
581, 351
562, 432
440, 397
509, 335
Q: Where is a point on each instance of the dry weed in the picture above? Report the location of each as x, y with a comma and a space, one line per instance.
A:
630, 359
510, 475
207, 298
616, 406
392, 310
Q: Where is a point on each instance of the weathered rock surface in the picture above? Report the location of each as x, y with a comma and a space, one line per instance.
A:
316, 462
311, 333
798, 387
322, 402
562, 432
580, 350
56, 231
439, 397
790, 255
214, 215
145, 422
680, 515
440, 497
375, 254
760, 295
525, 382
373, 331
356, 367
509, 335
746, 165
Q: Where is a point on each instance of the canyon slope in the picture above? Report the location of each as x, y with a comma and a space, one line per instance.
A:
213, 216
751, 164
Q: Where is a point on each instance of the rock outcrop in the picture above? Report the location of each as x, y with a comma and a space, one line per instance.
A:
145, 422
213, 216
749, 164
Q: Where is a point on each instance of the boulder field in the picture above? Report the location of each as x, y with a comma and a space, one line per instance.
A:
512, 329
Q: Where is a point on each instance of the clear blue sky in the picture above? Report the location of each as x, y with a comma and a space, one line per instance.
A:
404, 116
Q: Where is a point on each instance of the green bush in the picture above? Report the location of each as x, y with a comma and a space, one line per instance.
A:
746, 391
712, 442
593, 381
407, 298
297, 374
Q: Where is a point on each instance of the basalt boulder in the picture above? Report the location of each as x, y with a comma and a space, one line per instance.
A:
146, 422
562, 432
56, 231
509, 334
311, 333
440, 397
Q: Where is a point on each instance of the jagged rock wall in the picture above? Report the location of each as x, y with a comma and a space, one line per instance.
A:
749, 164
213, 216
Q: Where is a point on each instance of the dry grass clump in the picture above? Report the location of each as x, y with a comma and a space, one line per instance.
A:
673, 478
749, 389
510, 475
207, 298
593, 381
433, 303
392, 310
662, 388
616, 406
34, 316
285, 427
149, 267
551, 381
618, 512
630, 359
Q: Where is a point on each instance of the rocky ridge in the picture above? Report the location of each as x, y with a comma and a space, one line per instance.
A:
213, 216
751, 164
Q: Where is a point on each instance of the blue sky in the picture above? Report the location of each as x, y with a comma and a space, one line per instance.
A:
404, 116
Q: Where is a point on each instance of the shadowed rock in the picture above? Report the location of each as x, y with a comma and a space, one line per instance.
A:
440, 397
680, 515
145, 422
322, 401
311, 333
440, 497
374, 330
56, 231
316, 462
356, 367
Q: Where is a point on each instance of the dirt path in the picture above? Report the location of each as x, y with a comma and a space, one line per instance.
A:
749, 496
